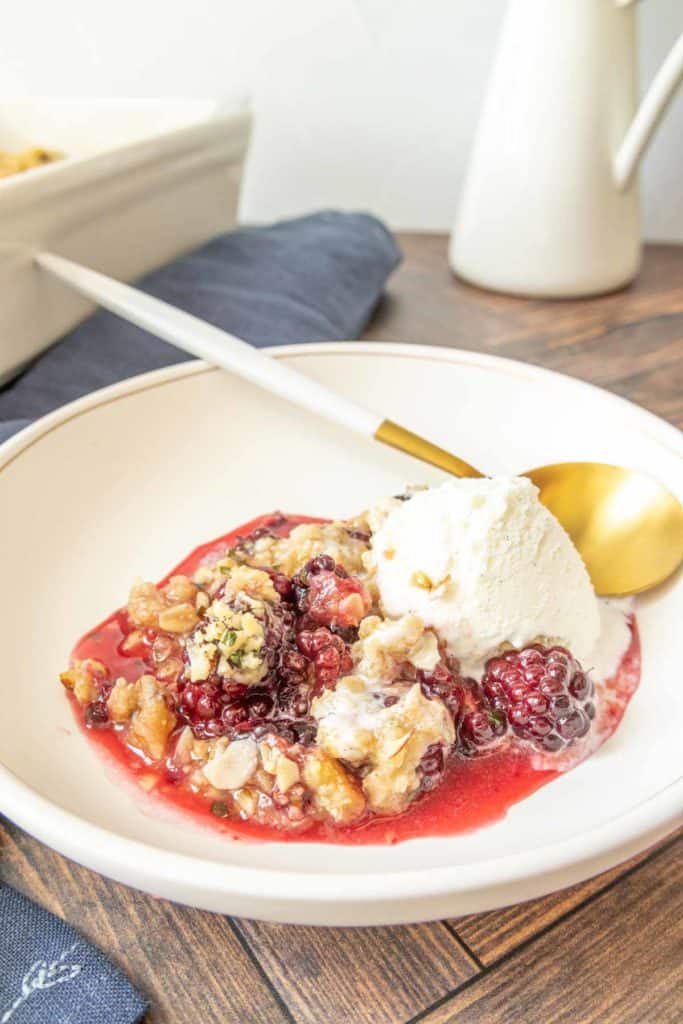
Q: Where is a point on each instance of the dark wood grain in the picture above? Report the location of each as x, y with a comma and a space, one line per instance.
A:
617, 960
192, 965
606, 951
491, 936
373, 975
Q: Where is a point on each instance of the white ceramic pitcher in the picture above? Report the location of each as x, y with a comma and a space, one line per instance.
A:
550, 204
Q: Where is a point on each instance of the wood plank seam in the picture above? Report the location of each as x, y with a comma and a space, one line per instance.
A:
251, 953
466, 947
495, 964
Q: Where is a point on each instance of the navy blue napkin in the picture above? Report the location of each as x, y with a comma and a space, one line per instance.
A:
316, 278
50, 975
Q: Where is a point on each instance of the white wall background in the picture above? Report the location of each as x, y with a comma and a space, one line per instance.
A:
359, 103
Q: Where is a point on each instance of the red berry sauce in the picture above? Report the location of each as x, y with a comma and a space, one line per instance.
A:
472, 792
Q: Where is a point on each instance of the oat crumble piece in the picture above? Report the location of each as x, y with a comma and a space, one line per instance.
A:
375, 722
85, 679
142, 706
306, 541
170, 608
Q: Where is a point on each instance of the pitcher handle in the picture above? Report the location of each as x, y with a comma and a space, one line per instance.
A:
649, 113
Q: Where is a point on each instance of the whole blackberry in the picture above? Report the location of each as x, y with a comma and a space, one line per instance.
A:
220, 706
328, 654
543, 693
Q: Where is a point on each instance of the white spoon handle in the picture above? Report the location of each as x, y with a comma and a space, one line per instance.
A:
210, 343
225, 350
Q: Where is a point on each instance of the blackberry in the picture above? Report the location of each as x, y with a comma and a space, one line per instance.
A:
543, 693
431, 767
328, 654
447, 685
325, 595
481, 730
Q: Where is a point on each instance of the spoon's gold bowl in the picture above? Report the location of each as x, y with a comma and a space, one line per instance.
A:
627, 527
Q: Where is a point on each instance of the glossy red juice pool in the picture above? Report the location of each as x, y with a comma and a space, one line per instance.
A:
475, 791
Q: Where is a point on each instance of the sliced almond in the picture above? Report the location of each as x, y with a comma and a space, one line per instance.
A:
233, 767
287, 774
269, 757
183, 747
246, 801
396, 746
425, 653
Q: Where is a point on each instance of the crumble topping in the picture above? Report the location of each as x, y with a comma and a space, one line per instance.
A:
229, 641
232, 764
170, 608
340, 541
143, 706
85, 679
290, 612
376, 721
336, 794
273, 684
385, 643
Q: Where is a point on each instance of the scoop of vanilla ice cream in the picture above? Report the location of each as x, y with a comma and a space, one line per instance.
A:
485, 563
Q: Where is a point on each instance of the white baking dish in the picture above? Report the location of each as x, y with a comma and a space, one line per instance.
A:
142, 181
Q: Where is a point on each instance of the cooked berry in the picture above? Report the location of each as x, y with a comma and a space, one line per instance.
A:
294, 664
322, 563
209, 729
328, 653
327, 596
200, 700
279, 635
234, 714
446, 684
233, 691
96, 713
543, 693
294, 700
282, 584
258, 704
481, 730
311, 642
208, 703
431, 767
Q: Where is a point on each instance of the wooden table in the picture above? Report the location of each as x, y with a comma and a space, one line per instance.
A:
609, 950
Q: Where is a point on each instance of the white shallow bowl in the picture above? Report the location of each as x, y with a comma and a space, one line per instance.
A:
141, 182
128, 480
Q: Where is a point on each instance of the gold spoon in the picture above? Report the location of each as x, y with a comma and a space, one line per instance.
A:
627, 527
